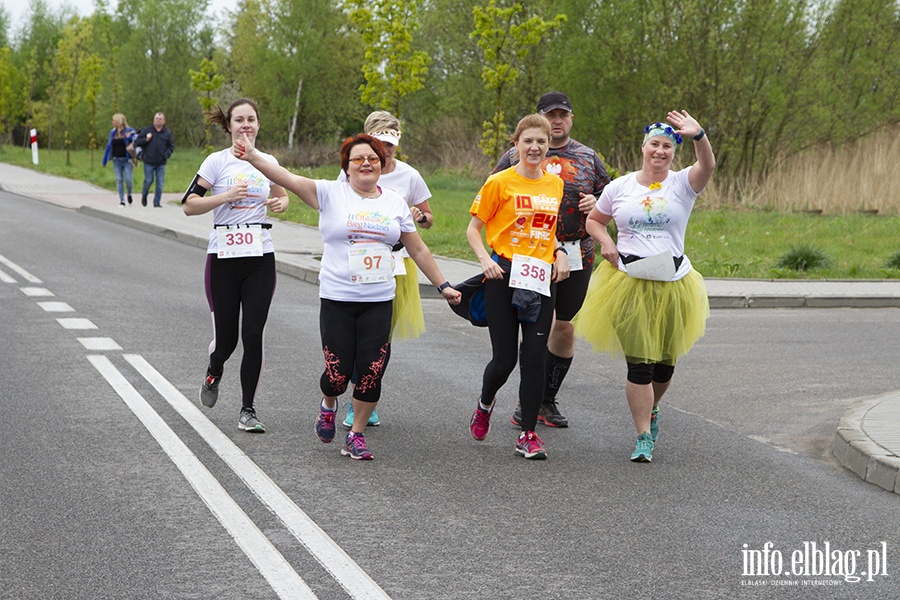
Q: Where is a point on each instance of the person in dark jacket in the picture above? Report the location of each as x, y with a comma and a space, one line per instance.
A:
157, 144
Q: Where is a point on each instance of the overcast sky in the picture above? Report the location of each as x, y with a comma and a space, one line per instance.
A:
17, 9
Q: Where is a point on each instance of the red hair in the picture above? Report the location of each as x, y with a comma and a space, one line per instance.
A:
355, 140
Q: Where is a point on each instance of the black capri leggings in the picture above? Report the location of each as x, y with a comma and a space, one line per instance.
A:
233, 284
503, 325
355, 337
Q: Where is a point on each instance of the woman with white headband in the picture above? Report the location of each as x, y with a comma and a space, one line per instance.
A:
646, 302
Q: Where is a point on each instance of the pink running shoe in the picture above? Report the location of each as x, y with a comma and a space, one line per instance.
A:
531, 446
480, 424
355, 447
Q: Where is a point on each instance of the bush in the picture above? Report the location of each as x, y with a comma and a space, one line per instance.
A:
803, 258
893, 262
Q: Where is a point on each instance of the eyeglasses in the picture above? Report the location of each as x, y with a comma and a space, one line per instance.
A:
358, 160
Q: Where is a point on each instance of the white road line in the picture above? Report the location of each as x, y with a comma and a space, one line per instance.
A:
332, 557
76, 323
99, 343
25, 274
273, 566
36, 291
56, 307
5, 278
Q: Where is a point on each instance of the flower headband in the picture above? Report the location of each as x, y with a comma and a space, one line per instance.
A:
660, 129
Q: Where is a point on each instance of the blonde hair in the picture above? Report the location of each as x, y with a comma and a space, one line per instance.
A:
532, 121
379, 121
119, 121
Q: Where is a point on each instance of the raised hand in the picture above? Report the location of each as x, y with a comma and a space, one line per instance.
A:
684, 124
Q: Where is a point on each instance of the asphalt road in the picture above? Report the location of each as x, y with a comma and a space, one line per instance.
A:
113, 484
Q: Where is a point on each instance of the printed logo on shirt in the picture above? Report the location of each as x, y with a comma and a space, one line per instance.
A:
656, 218
368, 222
562, 167
257, 190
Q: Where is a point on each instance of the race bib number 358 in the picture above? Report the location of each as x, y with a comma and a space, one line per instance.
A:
236, 241
529, 273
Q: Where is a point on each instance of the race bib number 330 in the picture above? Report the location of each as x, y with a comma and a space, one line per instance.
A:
529, 273
236, 241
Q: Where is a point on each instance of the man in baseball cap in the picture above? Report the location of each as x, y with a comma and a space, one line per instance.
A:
552, 101
584, 177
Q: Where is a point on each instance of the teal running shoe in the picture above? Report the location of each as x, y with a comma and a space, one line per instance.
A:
374, 421
654, 424
643, 448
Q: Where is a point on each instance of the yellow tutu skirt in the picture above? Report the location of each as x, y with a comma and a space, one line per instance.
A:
644, 321
408, 321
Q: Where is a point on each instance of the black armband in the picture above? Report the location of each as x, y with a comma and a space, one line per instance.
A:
194, 188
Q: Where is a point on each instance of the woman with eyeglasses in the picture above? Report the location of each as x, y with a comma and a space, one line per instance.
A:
408, 321
360, 222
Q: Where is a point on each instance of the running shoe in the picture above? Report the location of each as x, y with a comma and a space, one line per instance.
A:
249, 423
374, 421
530, 446
325, 424
516, 417
550, 416
480, 424
209, 391
643, 448
654, 424
355, 447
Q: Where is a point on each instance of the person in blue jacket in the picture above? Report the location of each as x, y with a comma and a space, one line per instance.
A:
120, 137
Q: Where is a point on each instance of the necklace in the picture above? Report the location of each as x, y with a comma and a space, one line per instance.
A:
367, 196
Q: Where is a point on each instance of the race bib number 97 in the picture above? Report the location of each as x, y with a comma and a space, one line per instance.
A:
371, 265
236, 241
529, 273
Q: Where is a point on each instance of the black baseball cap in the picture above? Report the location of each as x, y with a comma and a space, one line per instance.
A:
552, 101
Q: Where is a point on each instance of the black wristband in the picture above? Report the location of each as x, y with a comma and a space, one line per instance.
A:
700, 135
560, 249
443, 286
423, 220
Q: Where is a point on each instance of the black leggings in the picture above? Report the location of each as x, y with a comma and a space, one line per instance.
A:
643, 373
233, 284
355, 338
503, 325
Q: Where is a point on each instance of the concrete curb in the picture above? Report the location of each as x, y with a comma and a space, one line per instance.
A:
856, 450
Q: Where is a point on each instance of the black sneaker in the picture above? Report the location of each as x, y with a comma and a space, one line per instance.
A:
550, 416
516, 417
249, 423
209, 391
129, 198
143, 200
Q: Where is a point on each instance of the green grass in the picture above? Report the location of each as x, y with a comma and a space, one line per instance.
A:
721, 243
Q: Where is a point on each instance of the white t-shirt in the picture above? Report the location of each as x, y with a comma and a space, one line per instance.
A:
349, 222
223, 171
404, 180
650, 221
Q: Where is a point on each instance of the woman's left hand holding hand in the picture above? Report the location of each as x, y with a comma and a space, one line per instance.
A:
451, 295
684, 123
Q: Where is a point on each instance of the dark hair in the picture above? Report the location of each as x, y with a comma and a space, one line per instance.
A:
220, 117
355, 140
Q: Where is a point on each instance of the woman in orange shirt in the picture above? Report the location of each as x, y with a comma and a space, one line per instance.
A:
518, 209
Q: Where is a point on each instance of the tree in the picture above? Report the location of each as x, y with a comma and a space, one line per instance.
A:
74, 71
392, 69
505, 41
206, 81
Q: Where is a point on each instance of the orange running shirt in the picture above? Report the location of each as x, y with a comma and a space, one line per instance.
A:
520, 214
